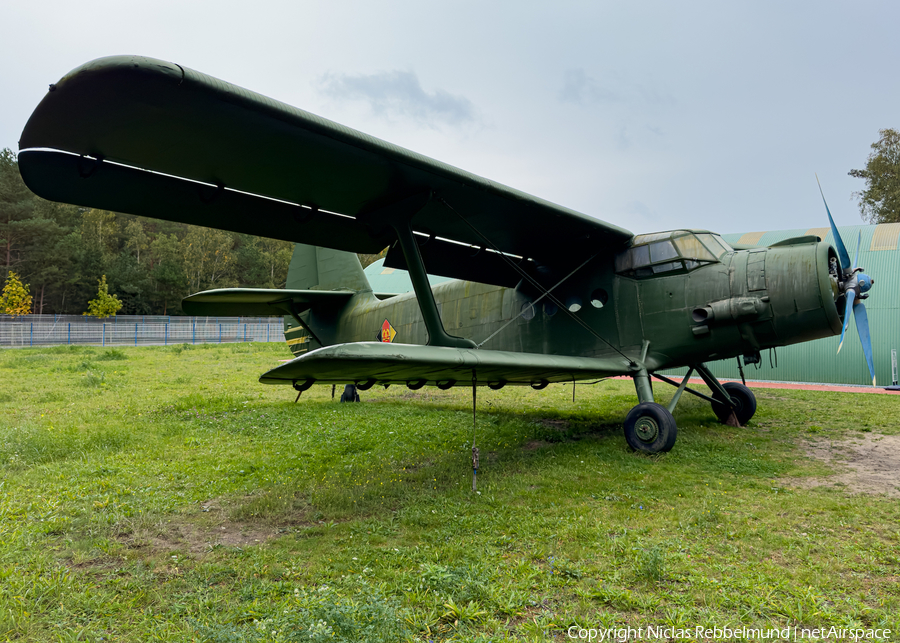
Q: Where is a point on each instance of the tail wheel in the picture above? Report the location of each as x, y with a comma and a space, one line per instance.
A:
744, 403
650, 428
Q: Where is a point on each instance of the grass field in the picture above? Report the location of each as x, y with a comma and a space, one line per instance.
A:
163, 494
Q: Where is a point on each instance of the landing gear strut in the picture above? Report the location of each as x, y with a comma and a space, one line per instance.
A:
734, 404
649, 427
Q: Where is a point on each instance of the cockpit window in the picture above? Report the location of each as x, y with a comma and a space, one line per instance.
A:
670, 252
662, 250
667, 267
640, 256
691, 248
650, 238
716, 244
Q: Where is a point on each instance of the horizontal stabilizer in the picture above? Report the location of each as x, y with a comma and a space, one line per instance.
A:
259, 302
386, 363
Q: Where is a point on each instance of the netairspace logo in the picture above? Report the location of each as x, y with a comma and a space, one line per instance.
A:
622, 634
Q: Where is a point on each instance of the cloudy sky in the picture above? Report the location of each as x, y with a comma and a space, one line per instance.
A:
650, 115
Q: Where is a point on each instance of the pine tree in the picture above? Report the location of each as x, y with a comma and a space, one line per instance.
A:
15, 299
104, 305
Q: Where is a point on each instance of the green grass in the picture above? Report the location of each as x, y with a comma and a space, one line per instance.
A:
163, 494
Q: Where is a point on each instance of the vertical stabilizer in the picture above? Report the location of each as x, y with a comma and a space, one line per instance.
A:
314, 268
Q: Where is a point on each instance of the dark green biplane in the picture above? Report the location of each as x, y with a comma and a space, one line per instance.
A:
540, 294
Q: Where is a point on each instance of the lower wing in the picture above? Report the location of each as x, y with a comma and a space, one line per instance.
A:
386, 363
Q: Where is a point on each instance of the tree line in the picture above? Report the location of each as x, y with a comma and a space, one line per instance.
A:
63, 251
879, 202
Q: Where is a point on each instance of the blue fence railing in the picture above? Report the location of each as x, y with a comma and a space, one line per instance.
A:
24, 332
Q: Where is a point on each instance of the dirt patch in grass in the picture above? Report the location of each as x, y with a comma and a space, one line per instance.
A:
872, 464
197, 540
201, 532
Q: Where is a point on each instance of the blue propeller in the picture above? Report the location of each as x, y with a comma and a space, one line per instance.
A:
854, 285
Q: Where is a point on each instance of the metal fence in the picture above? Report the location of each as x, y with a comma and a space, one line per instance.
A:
136, 330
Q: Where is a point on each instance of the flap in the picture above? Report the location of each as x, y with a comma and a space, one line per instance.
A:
400, 363
259, 302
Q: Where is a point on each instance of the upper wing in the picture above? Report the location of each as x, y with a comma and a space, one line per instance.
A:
398, 363
181, 145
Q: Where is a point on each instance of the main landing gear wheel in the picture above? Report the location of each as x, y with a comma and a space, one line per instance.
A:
650, 428
744, 401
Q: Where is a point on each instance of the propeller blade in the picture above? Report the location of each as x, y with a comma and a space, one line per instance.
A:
848, 313
858, 242
838, 242
862, 327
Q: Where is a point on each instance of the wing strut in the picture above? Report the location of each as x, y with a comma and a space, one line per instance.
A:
398, 216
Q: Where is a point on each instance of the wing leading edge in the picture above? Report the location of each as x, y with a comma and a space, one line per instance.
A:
178, 144
403, 363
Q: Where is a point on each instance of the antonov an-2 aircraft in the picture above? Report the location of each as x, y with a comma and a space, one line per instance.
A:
540, 293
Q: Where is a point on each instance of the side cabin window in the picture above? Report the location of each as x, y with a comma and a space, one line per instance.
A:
679, 251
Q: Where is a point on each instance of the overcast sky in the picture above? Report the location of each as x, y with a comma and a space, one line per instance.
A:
650, 115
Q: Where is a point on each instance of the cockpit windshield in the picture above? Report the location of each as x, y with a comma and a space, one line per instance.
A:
668, 252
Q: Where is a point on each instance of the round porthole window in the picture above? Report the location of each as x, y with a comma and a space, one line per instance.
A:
527, 310
550, 308
599, 298
573, 304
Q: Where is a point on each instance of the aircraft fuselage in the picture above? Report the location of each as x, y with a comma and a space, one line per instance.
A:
747, 302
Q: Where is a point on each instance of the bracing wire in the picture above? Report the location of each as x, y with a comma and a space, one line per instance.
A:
522, 312
533, 281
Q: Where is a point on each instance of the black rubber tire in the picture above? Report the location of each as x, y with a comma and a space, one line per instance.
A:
350, 394
745, 403
650, 428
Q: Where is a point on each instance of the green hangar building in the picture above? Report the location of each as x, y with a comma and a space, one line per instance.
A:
815, 361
